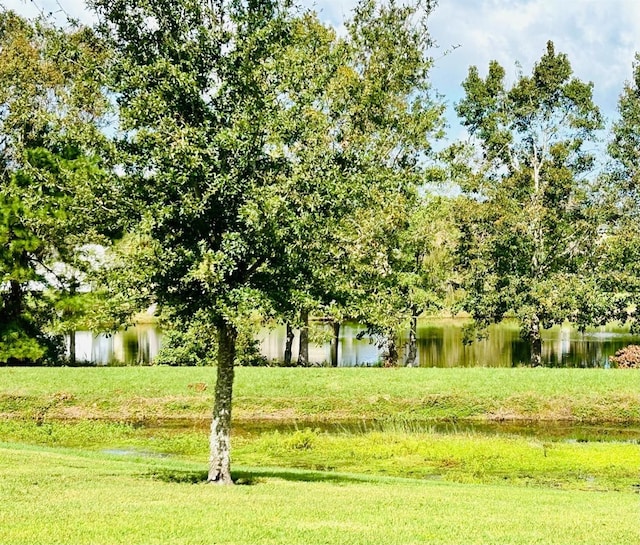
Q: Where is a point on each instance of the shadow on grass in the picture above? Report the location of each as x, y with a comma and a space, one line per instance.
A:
257, 476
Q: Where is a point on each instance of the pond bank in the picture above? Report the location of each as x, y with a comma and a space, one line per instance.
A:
139, 394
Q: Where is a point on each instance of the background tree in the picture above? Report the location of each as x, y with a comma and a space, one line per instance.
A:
53, 189
384, 118
428, 247
528, 229
402, 267
620, 271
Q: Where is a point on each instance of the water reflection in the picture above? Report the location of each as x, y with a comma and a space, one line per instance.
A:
440, 344
567, 431
137, 345
540, 430
351, 350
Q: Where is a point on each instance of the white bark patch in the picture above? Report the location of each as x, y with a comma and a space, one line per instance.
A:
220, 451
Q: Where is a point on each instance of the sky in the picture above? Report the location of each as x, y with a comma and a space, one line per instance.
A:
600, 37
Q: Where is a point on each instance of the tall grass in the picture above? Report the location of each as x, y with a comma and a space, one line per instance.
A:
466, 457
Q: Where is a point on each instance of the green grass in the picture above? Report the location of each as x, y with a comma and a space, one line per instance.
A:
463, 458
77, 466
53, 495
459, 457
142, 393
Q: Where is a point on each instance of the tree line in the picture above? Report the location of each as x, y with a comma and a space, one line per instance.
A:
235, 159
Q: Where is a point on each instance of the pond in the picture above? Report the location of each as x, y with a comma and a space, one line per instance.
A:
564, 431
137, 345
440, 344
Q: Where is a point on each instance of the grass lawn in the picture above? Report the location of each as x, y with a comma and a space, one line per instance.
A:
82, 461
64, 496
139, 393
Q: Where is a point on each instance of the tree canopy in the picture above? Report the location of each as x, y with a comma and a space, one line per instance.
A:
528, 226
620, 265
53, 185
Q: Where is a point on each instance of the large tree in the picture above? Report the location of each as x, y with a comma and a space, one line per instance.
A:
620, 270
384, 121
245, 137
528, 227
52, 185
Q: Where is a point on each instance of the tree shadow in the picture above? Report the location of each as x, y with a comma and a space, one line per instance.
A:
178, 476
249, 477
298, 475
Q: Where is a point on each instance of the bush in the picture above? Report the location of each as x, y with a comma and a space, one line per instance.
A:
188, 347
627, 358
194, 344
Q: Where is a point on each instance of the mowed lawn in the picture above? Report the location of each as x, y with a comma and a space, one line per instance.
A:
82, 462
138, 393
63, 496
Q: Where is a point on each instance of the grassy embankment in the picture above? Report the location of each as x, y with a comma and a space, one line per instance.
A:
143, 393
91, 474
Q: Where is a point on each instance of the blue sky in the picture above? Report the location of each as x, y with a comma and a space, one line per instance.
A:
600, 37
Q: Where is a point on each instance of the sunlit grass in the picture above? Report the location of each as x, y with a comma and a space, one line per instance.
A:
62, 496
332, 394
460, 457
466, 458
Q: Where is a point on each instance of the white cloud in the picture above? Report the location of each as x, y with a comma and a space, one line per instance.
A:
600, 37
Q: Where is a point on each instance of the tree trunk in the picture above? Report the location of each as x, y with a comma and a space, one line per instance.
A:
14, 300
288, 346
335, 343
536, 342
220, 439
14, 303
413, 342
303, 351
390, 355
72, 334
72, 348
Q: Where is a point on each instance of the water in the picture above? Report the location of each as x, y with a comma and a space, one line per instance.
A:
563, 431
439, 345
540, 430
137, 345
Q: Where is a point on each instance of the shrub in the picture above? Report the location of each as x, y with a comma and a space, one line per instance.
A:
194, 344
627, 358
302, 439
